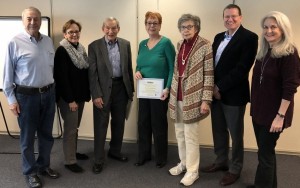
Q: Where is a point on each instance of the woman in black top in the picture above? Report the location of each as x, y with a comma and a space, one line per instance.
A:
72, 89
274, 83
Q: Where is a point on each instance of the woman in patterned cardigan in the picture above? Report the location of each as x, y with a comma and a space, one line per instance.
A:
190, 95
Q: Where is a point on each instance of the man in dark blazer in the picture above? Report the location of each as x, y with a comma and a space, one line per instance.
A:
234, 54
111, 86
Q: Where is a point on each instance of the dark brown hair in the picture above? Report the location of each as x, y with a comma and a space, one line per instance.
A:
68, 24
230, 6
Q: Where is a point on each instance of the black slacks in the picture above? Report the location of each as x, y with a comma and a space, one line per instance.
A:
116, 108
266, 175
152, 119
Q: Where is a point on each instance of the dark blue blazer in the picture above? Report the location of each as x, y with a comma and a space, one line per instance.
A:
232, 70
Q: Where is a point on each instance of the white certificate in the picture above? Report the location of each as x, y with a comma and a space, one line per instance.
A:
150, 88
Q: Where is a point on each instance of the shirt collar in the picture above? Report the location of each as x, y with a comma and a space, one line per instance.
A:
110, 42
227, 36
31, 37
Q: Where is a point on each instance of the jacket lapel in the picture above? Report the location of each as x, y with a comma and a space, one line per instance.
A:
232, 42
122, 53
229, 46
104, 52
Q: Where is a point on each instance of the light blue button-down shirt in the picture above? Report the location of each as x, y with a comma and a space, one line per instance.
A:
222, 46
27, 63
114, 57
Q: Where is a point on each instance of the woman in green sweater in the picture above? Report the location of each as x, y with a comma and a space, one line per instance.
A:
155, 59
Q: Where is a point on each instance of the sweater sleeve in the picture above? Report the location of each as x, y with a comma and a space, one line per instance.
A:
208, 74
61, 75
290, 72
137, 68
170, 55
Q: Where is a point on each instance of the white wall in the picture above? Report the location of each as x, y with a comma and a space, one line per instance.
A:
253, 11
131, 16
91, 16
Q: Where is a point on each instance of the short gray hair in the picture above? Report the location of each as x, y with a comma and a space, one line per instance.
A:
31, 9
111, 19
190, 17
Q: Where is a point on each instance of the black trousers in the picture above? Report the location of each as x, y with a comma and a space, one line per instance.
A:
116, 108
152, 119
266, 175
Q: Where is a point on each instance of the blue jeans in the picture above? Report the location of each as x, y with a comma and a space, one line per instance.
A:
36, 117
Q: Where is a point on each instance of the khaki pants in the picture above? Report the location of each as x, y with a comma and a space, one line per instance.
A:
71, 124
187, 136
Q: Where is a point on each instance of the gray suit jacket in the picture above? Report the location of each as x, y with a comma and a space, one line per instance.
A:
100, 69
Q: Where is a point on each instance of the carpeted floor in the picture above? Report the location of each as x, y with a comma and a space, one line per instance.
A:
126, 175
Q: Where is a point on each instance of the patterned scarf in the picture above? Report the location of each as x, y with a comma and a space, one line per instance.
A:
78, 56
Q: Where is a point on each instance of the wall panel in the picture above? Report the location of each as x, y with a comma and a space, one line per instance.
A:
131, 16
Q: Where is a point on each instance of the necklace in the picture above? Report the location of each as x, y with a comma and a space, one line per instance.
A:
262, 68
182, 59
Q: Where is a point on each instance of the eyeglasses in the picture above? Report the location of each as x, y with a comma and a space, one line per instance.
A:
188, 27
152, 23
73, 32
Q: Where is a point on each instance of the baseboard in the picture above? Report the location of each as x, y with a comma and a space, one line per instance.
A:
171, 142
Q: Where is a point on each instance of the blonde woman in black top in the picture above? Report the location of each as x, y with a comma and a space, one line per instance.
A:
276, 76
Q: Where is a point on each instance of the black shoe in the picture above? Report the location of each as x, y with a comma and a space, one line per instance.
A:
214, 168
118, 158
49, 173
33, 181
81, 156
74, 168
160, 165
97, 168
229, 179
141, 162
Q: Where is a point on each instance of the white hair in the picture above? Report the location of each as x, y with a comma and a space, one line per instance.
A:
286, 45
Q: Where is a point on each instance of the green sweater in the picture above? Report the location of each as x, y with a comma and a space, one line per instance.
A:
157, 62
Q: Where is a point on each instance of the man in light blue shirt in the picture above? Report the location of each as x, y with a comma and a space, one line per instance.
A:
111, 86
29, 88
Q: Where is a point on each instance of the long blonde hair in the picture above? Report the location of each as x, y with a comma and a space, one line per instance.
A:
286, 45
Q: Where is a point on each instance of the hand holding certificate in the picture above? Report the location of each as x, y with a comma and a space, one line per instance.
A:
150, 88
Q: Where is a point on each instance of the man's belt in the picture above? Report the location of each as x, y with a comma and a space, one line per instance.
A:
117, 78
33, 90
